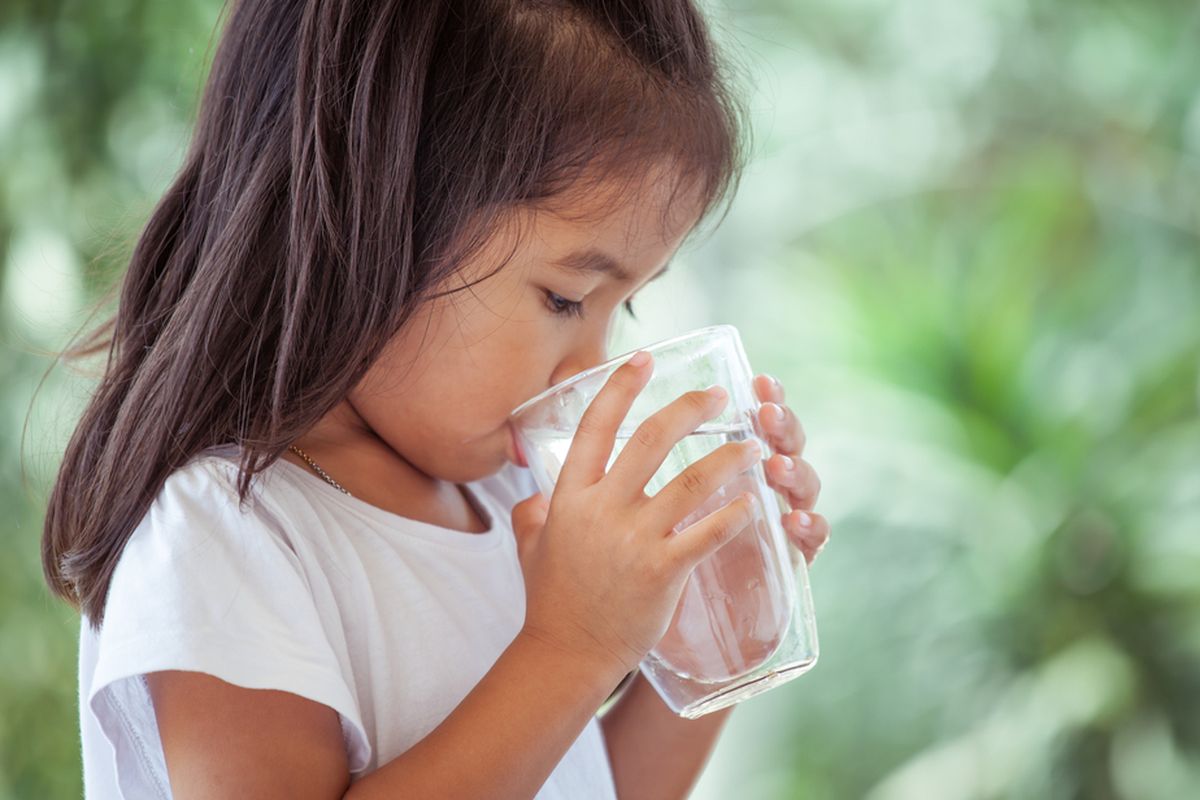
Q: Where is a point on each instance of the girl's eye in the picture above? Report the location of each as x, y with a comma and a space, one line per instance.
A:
563, 307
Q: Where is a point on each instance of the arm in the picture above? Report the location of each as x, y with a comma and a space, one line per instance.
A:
502, 741
656, 754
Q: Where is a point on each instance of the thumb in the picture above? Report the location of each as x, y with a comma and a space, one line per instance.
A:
528, 519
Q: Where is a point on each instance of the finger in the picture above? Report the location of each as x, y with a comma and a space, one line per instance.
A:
528, 519
799, 483
768, 388
654, 438
808, 536
592, 443
709, 481
782, 428
702, 538
779, 426
530, 514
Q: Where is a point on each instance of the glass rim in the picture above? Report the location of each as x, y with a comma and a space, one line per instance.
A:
616, 361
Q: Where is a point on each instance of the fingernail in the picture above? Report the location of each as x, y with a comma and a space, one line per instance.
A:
788, 464
640, 359
803, 518
776, 412
716, 392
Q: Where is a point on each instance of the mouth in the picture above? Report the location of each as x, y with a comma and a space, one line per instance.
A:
515, 455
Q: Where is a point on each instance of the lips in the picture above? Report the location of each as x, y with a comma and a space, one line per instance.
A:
517, 457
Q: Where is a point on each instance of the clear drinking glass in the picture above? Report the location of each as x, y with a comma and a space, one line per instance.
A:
745, 622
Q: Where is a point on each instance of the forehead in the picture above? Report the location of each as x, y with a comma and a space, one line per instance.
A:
619, 228
593, 261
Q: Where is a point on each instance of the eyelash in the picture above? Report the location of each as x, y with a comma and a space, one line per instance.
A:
568, 308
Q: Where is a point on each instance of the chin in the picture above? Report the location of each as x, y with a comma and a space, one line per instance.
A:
476, 463
465, 466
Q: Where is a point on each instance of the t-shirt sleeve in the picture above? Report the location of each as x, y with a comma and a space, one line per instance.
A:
203, 585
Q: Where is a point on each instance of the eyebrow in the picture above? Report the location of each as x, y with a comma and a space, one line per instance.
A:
593, 261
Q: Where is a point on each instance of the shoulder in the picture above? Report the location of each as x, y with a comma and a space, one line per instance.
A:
210, 476
202, 497
207, 583
198, 539
202, 570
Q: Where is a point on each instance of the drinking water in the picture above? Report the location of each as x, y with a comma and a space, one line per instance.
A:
736, 606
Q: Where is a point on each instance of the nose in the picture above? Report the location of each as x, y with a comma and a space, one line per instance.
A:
585, 356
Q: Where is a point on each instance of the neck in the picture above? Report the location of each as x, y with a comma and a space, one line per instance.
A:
371, 470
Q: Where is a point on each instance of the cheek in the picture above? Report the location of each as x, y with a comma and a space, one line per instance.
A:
449, 394
456, 371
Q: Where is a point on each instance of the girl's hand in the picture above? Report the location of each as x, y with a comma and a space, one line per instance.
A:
603, 567
799, 483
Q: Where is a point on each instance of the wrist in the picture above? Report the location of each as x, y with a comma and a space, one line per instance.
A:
604, 671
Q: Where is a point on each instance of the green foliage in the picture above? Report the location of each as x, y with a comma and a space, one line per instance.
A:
967, 246
985, 216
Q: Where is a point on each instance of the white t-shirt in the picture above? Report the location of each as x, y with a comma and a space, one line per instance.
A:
389, 621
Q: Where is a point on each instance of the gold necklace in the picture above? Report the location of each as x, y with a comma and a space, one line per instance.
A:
317, 468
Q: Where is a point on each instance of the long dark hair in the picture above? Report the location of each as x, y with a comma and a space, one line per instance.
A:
348, 155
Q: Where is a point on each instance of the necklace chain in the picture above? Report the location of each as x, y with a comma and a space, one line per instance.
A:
317, 468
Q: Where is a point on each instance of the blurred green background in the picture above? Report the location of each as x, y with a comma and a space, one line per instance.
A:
967, 245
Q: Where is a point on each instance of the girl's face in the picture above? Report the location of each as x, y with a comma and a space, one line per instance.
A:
441, 392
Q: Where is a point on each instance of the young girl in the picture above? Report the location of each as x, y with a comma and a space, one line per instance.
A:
308, 558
